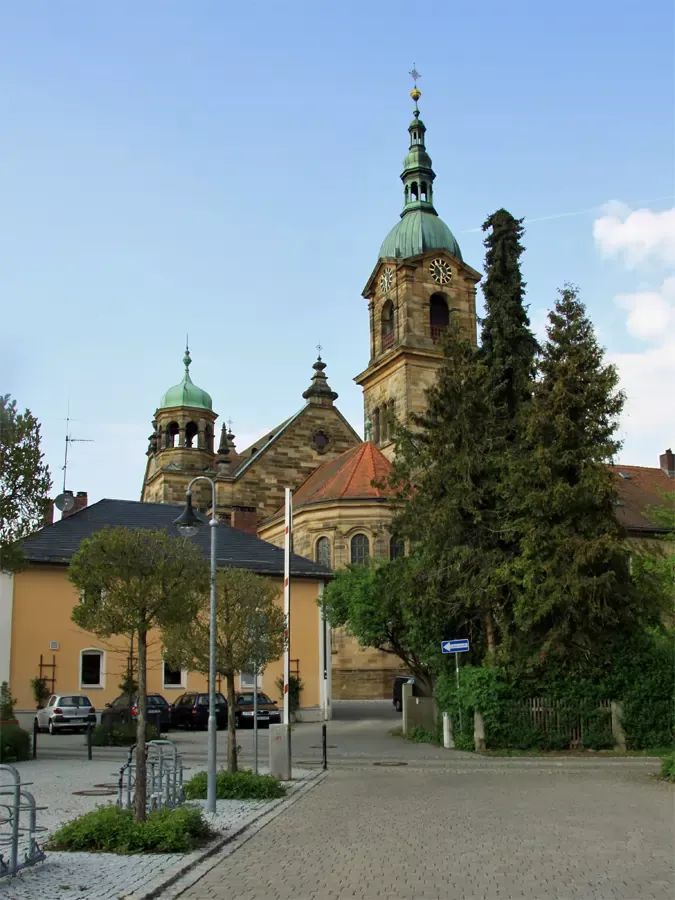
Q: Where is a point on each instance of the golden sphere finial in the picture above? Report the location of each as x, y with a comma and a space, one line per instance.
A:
415, 94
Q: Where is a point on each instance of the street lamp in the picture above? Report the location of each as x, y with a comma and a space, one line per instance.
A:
188, 524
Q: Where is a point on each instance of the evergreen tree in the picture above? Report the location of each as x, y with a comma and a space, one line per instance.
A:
573, 569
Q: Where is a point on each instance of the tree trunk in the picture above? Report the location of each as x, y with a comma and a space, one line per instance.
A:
231, 728
141, 774
490, 632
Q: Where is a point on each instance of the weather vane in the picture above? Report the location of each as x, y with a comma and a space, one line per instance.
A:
414, 74
319, 349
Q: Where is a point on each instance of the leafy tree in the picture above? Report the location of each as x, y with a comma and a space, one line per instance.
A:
251, 628
376, 603
132, 581
24, 481
573, 568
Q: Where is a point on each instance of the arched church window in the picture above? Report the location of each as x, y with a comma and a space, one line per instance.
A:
396, 547
439, 316
360, 549
387, 325
323, 551
191, 431
424, 190
376, 425
172, 434
414, 192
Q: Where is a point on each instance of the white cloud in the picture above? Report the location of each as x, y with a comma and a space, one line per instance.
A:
651, 314
638, 236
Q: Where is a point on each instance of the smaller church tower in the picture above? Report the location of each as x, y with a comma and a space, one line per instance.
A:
182, 442
419, 283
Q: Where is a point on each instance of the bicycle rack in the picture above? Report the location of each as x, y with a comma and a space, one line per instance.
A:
164, 779
11, 827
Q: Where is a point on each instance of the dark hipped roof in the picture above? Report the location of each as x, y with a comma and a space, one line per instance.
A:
58, 542
638, 489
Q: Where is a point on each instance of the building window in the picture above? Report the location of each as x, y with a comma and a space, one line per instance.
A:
320, 440
439, 316
396, 547
247, 681
91, 669
172, 434
172, 678
360, 548
387, 325
376, 426
323, 551
191, 432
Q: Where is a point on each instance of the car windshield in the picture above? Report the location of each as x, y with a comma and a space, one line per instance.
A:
157, 701
247, 699
74, 701
204, 700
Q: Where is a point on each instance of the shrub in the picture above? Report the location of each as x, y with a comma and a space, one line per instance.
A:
110, 829
6, 703
421, 735
295, 687
242, 785
41, 692
668, 767
14, 744
120, 734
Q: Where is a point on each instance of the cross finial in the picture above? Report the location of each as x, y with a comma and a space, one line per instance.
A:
414, 74
229, 424
319, 349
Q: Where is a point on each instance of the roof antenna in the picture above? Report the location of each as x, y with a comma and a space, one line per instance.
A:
64, 501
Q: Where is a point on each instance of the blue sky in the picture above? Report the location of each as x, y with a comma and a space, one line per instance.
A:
231, 170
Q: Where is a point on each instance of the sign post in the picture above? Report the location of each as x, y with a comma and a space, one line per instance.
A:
457, 646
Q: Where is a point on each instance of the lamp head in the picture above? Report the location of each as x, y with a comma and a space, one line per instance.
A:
188, 523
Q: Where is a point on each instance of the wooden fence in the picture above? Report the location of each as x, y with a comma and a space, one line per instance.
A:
573, 722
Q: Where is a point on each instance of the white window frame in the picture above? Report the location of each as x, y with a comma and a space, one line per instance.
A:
102, 670
174, 687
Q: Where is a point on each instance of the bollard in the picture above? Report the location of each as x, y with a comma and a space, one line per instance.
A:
448, 738
35, 734
89, 731
324, 746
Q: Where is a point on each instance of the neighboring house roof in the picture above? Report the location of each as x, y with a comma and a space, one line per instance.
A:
638, 489
57, 543
349, 476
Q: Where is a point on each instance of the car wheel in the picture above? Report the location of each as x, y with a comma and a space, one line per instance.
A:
397, 705
52, 730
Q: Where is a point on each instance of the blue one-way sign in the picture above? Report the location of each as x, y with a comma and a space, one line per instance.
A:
458, 646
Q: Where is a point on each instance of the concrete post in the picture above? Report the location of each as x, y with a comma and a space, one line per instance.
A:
618, 733
280, 751
448, 739
478, 731
406, 699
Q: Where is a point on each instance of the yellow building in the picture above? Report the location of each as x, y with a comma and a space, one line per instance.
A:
38, 638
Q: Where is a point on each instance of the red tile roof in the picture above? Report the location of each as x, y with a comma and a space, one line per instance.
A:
644, 487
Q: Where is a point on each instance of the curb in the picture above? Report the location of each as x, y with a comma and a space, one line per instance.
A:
193, 869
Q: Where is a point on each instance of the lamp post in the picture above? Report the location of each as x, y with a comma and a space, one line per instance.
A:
188, 525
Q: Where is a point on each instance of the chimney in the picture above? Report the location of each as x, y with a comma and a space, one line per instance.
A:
667, 463
245, 519
49, 512
80, 502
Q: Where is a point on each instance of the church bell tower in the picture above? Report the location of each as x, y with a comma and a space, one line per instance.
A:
418, 284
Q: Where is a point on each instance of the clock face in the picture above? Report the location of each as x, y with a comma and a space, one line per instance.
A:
440, 271
386, 280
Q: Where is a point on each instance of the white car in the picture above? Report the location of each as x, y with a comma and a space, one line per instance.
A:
63, 711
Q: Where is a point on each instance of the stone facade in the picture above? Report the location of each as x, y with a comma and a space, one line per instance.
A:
405, 334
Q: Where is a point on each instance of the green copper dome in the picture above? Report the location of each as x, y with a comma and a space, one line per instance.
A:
186, 393
420, 228
417, 232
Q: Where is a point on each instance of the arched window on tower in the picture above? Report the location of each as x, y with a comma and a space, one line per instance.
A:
172, 434
191, 431
439, 316
423, 195
360, 548
376, 425
396, 547
414, 192
387, 325
322, 551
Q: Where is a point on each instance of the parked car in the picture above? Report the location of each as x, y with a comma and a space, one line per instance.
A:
191, 710
268, 711
399, 681
62, 711
156, 705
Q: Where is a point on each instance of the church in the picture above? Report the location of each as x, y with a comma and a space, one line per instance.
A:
419, 281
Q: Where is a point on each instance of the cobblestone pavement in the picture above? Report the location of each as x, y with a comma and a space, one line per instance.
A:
493, 831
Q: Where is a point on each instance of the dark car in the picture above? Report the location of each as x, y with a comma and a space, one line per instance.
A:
268, 711
399, 681
157, 705
191, 710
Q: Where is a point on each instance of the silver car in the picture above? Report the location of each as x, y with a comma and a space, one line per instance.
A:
62, 711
